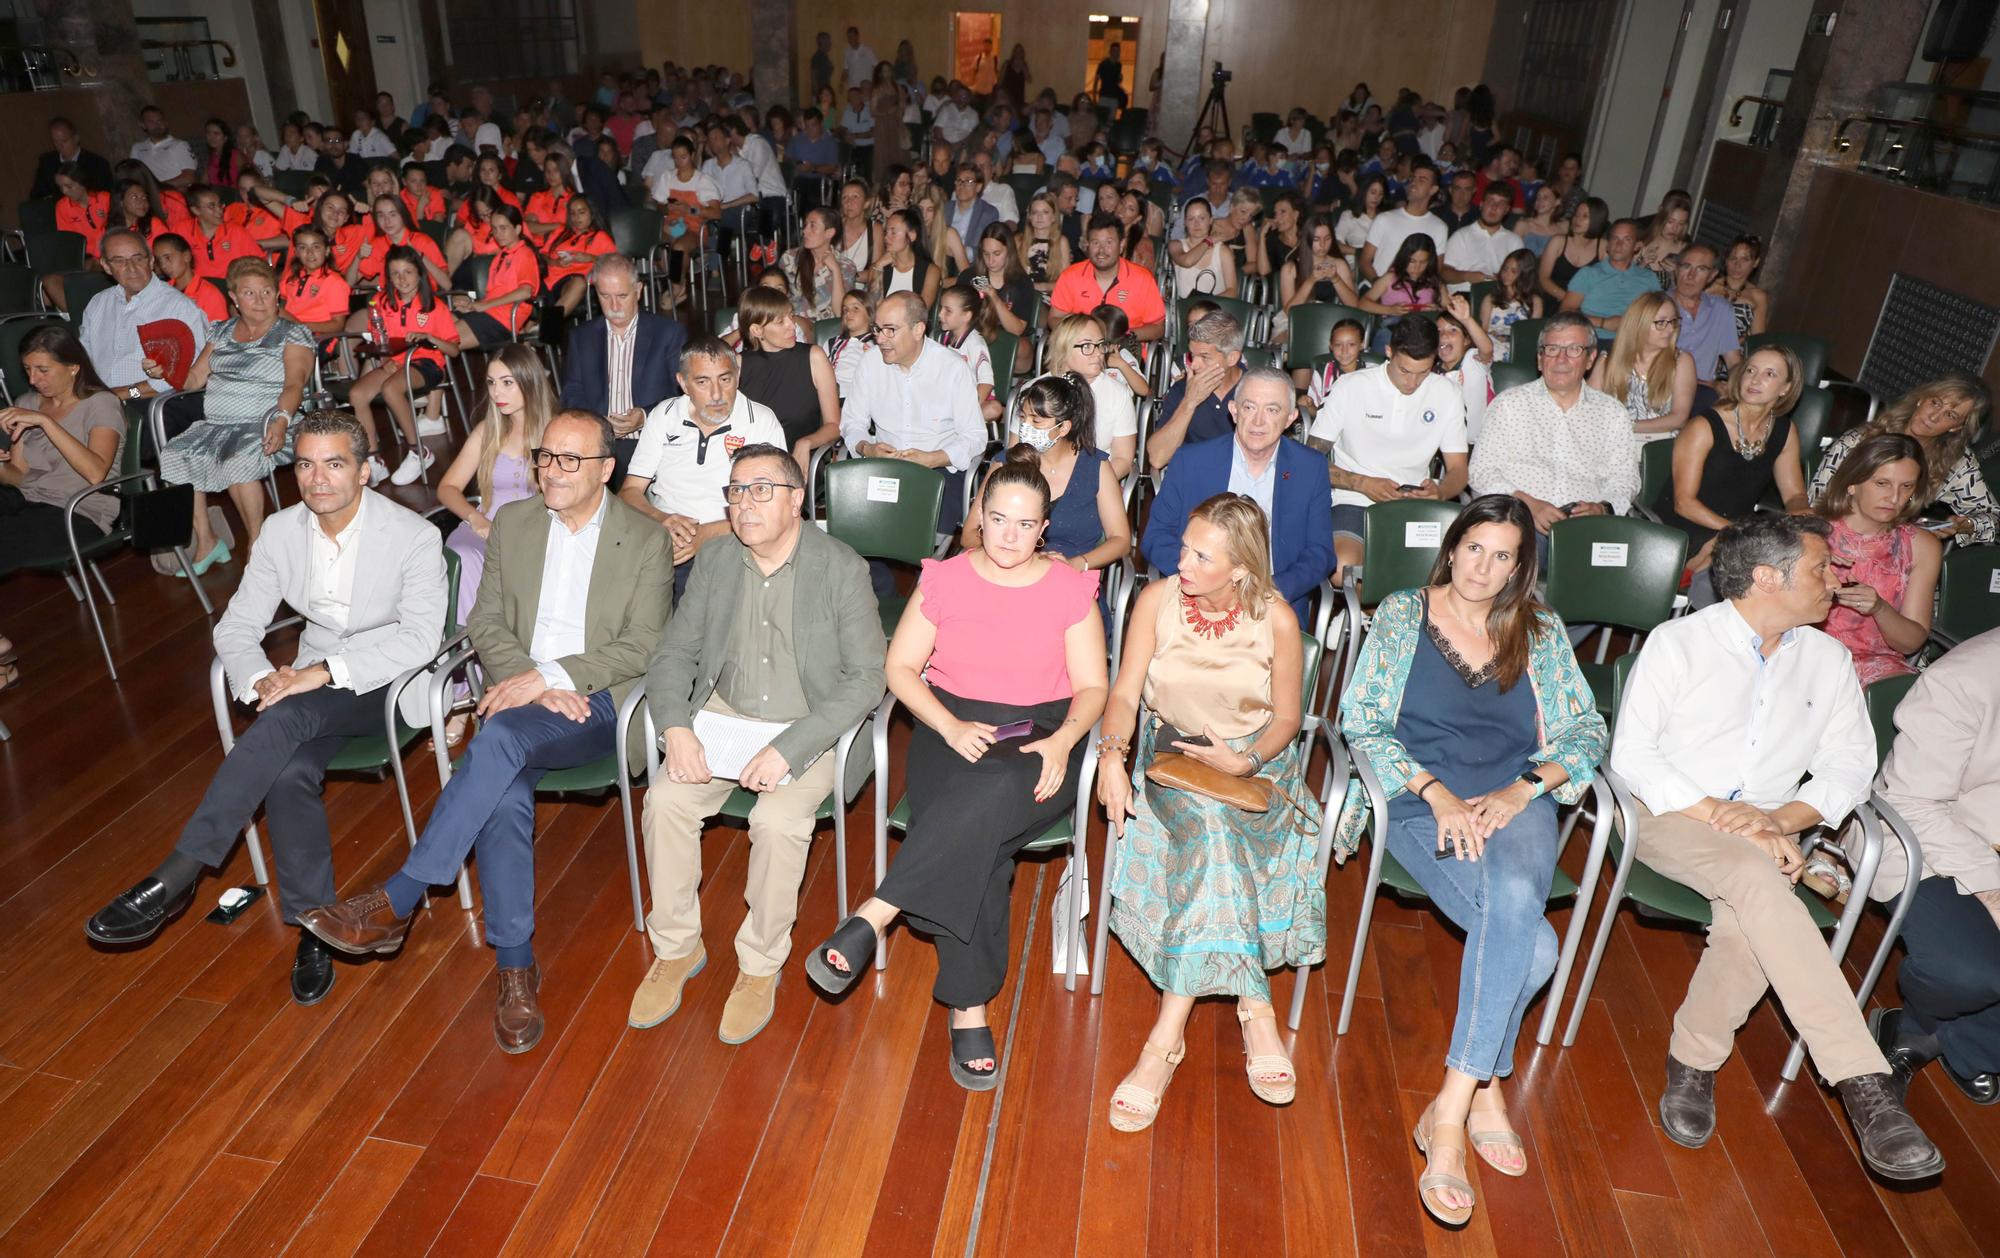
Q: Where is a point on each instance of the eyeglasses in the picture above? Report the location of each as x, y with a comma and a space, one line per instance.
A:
966, 179
1666, 323
886, 329
135, 259
1566, 351
1090, 347
759, 490
563, 459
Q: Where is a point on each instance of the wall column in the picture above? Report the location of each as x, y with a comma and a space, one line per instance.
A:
1184, 84
1835, 77
103, 36
774, 57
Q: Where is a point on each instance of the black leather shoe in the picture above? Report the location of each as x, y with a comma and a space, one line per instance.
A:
1980, 1089
1892, 1144
1904, 1055
137, 915
1687, 1106
312, 970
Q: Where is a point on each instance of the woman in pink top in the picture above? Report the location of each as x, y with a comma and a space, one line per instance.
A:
994, 637
1888, 567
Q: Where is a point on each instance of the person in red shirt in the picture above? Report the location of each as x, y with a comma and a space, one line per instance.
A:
1105, 278
568, 254
489, 172
421, 333
173, 256
79, 209
216, 242
548, 210
513, 281
392, 230
312, 292
334, 215
253, 215
477, 236
424, 203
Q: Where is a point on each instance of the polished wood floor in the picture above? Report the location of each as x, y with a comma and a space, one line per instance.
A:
172, 1100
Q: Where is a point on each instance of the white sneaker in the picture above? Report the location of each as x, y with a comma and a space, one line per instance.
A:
378, 471
412, 467
428, 426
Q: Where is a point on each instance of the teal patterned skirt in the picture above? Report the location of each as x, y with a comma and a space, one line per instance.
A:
1207, 897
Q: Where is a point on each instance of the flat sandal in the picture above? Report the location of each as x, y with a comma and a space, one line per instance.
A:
1268, 1064
1481, 1140
1144, 1105
1431, 1181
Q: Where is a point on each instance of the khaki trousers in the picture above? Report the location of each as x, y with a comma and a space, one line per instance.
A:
1762, 938
781, 827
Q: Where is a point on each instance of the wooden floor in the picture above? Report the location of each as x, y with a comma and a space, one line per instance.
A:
172, 1100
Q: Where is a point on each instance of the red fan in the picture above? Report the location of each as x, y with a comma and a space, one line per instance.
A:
169, 343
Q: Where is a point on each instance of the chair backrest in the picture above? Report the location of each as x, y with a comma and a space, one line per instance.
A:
1509, 375
1479, 292
1656, 473
36, 217
825, 330
1621, 676
435, 230
13, 380
1812, 351
80, 286
52, 253
884, 508
296, 183
473, 273
1524, 337
1024, 184
17, 287
1312, 323
1250, 316
1813, 418
1400, 541
1614, 570
1259, 356
635, 230
1005, 346
1968, 597
451, 570
721, 318
1882, 698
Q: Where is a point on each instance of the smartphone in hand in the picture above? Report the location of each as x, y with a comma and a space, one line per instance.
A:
1013, 729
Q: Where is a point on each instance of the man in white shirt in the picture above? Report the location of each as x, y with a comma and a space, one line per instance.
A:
1741, 728
369, 141
112, 321
754, 149
1382, 426
572, 602
1476, 250
860, 59
1414, 215
956, 118
734, 180
680, 466
360, 634
171, 161
1555, 443
915, 399
996, 194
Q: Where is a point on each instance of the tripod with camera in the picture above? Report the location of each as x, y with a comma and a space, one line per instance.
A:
1215, 110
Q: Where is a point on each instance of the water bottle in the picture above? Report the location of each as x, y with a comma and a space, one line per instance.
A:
378, 330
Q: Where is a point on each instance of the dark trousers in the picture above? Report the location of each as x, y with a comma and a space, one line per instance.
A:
1951, 978
280, 761
33, 531
622, 450
489, 805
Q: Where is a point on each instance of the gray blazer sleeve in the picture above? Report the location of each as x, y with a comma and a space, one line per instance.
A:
239, 634
857, 668
420, 608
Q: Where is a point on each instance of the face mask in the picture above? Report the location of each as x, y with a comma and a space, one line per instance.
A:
1039, 439
1322, 167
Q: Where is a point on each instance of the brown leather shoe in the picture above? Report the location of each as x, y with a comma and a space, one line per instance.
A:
359, 925
517, 1016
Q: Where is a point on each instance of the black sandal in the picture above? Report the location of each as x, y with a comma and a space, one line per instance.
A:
854, 940
973, 1043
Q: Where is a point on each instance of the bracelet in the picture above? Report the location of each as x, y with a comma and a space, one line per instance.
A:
1425, 787
1113, 745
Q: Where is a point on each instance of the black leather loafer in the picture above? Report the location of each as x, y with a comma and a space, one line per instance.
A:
136, 915
312, 970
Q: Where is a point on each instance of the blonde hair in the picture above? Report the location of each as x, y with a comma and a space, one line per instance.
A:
1064, 338
939, 233
1633, 330
1731, 391
1249, 537
538, 407
251, 269
1945, 451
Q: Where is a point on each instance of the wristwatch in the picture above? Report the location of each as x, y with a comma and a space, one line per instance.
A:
136, 392
1541, 787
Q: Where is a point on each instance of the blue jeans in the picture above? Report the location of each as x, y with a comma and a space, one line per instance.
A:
1500, 902
489, 804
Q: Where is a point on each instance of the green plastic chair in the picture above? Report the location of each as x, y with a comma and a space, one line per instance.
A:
1506, 376
1249, 315
1005, 346
17, 289
1025, 184
884, 509
1400, 542
720, 319
1608, 570
1259, 356
826, 330
1813, 418
1883, 697
1479, 292
1968, 597
52, 253
1656, 476
80, 286
1312, 324
635, 232
35, 216
1526, 337
1811, 350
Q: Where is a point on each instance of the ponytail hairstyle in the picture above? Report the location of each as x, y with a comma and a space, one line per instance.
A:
1066, 398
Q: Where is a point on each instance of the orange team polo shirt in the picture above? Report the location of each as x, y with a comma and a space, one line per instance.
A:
594, 243
432, 209
317, 297
509, 270
378, 255
1134, 292
213, 254
347, 242
400, 321
255, 219
506, 195
553, 206
210, 298
179, 218
87, 220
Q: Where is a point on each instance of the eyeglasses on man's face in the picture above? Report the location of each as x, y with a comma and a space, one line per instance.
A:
1566, 351
563, 459
758, 490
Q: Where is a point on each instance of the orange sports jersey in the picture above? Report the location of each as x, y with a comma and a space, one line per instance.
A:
254, 218
506, 196
378, 254
431, 210
315, 298
209, 297
87, 220
481, 233
174, 204
400, 321
550, 206
213, 254
594, 243
509, 270
347, 242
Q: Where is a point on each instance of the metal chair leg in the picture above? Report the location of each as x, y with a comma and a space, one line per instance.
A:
1850, 917
1593, 865
881, 738
98, 572
1377, 850
75, 591
1628, 826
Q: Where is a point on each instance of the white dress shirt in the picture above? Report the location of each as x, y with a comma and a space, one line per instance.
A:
111, 324
689, 470
1531, 445
1375, 429
931, 405
1001, 197
764, 165
735, 180
566, 568
618, 349
1473, 248
1392, 227
955, 121
861, 61
165, 157
1943, 776
1706, 715
1257, 486
375, 143
329, 589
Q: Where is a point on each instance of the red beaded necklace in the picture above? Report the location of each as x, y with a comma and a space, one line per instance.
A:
1202, 625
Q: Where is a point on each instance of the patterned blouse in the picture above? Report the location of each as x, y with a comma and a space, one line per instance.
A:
1964, 491
1571, 731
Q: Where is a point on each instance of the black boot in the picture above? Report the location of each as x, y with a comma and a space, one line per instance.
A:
1687, 1107
1891, 1142
312, 970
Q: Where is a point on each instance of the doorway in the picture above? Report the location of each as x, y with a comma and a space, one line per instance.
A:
975, 51
1111, 73
348, 55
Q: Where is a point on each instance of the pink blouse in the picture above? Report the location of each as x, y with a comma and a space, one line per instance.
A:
1001, 644
1882, 560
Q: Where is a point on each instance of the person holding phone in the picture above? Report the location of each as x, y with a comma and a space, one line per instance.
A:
1888, 567
1207, 897
1000, 657
1468, 703
1946, 416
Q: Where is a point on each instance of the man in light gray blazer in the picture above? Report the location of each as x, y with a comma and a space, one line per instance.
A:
368, 576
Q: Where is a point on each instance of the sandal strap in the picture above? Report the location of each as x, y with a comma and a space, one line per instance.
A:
1247, 1016
967, 1043
1173, 1058
1504, 1139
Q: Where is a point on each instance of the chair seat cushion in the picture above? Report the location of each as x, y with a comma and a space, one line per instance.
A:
370, 752
737, 807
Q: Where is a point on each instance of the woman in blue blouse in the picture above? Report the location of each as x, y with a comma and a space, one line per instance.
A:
1474, 763
1053, 429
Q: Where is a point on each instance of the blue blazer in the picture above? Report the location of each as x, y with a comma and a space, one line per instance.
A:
1301, 510
981, 217
656, 362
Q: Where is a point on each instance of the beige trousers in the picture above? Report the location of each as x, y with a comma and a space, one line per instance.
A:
1762, 938
781, 827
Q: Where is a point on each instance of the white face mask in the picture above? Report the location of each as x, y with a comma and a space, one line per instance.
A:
1040, 439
